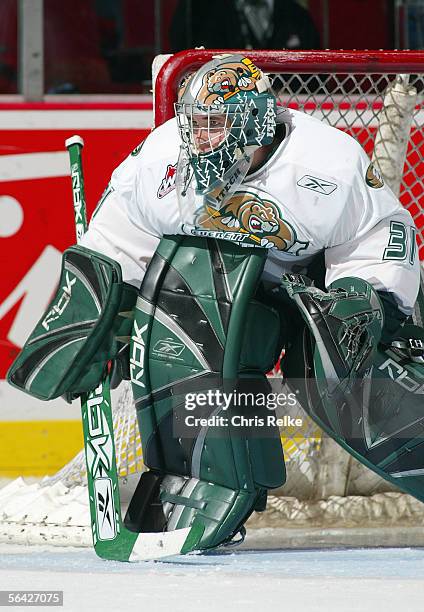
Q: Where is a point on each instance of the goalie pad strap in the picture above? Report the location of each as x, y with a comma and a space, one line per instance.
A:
86, 323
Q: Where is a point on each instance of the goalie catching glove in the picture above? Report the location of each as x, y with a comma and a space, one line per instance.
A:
87, 323
346, 324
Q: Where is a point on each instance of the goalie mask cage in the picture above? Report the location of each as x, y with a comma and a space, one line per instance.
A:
329, 498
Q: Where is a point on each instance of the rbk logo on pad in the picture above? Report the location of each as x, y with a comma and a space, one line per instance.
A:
168, 181
168, 347
318, 185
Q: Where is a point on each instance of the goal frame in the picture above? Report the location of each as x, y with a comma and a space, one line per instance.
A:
302, 62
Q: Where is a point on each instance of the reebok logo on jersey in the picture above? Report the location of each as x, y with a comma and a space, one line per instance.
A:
168, 181
316, 184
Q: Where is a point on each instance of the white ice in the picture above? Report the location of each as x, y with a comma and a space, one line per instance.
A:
367, 580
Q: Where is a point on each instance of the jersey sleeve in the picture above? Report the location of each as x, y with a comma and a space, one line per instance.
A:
120, 226
385, 256
368, 201
134, 213
380, 243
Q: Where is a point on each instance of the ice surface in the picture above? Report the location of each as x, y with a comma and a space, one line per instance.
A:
368, 580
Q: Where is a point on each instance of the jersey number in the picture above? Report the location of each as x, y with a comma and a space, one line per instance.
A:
398, 242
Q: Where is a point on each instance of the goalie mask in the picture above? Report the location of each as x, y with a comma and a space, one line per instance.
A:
225, 111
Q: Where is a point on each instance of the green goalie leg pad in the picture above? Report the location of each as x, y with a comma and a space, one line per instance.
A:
381, 422
198, 328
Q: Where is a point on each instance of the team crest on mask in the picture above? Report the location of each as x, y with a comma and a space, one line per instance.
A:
168, 182
249, 219
373, 178
225, 81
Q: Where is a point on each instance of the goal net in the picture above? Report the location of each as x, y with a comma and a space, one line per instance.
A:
377, 97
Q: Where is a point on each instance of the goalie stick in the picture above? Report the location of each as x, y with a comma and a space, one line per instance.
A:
111, 539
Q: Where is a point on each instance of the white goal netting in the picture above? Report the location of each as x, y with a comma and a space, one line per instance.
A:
325, 486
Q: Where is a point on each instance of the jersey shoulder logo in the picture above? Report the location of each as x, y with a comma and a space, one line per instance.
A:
373, 178
249, 219
316, 184
168, 181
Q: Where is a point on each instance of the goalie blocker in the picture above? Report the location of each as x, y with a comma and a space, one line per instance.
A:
87, 323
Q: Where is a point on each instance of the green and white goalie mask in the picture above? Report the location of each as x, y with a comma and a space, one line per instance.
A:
225, 111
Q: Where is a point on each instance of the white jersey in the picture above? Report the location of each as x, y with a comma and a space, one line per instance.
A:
317, 193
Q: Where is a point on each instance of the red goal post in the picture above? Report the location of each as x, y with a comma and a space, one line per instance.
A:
346, 89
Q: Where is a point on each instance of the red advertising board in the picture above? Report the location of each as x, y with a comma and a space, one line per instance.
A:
36, 213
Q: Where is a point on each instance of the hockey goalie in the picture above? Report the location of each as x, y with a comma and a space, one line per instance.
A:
235, 230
